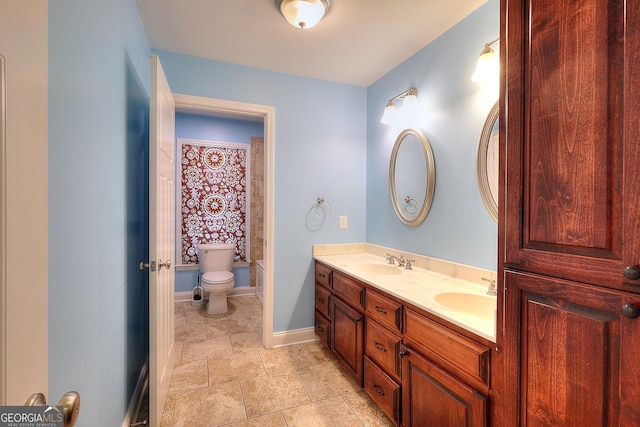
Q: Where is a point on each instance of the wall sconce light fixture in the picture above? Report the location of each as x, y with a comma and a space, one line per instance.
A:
488, 65
409, 102
303, 14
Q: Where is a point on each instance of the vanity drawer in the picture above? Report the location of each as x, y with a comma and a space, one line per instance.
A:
383, 347
351, 290
382, 389
323, 329
457, 353
323, 275
322, 300
384, 310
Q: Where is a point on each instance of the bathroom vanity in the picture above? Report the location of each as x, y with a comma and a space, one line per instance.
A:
418, 340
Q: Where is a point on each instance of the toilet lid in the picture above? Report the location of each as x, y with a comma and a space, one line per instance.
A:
217, 276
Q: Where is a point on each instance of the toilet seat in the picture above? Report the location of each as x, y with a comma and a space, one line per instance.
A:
216, 277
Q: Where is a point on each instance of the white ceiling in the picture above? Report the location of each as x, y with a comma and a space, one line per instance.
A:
356, 43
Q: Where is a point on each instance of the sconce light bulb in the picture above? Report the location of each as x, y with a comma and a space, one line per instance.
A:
487, 66
389, 115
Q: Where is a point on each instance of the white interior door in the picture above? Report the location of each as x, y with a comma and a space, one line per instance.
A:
161, 240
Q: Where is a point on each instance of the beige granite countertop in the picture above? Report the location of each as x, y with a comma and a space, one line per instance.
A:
423, 285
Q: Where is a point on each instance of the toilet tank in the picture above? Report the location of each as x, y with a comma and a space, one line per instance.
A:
216, 256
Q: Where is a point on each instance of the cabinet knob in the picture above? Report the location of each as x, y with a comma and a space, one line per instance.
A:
631, 311
631, 272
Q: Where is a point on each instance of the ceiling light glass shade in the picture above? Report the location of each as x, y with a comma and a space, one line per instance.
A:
390, 114
303, 13
487, 67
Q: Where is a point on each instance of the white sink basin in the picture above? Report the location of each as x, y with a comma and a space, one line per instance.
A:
379, 269
475, 305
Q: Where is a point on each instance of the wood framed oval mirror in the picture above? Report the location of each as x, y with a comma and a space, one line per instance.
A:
412, 177
487, 162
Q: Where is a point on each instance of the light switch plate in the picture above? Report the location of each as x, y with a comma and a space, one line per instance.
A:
343, 222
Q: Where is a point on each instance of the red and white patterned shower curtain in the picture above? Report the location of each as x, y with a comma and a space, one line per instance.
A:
213, 204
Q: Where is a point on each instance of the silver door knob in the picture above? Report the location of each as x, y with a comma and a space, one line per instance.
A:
166, 264
151, 265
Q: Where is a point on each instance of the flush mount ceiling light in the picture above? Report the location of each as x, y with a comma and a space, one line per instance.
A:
488, 65
303, 14
409, 101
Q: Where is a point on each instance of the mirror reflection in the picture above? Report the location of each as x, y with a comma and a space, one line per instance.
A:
487, 162
411, 177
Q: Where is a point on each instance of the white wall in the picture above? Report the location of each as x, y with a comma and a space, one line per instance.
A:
23, 43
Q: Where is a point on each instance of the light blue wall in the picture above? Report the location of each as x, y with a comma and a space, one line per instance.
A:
320, 147
90, 44
452, 112
328, 142
214, 129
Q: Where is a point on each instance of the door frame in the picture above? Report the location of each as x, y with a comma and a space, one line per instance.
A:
241, 110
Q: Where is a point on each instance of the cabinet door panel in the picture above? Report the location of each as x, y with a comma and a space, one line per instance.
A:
432, 397
572, 364
572, 180
347, 338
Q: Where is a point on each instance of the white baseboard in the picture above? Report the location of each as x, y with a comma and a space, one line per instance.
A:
297, 336
235, 292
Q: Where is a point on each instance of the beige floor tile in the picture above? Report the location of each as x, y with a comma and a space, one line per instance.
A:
206, 349
273, 393
319, 351
367, 411
286, 358
191, 332
235, 367
167, 413
246, 341
177, 355
332, 412
326, 380
211, 406
189, 376
180, 307
220, 327
249, 386
195, 314
270, 420
180, 320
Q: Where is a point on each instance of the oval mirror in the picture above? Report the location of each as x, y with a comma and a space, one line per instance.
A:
487, 159
412, 177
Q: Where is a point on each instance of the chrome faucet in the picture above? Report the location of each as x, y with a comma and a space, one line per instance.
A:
392, 258
493, 290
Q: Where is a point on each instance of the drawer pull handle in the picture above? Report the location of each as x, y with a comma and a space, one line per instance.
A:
379, 346
378, 389
379, 310
321, 275
321, 300
320, 328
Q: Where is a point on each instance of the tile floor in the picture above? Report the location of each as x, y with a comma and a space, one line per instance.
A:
223, 376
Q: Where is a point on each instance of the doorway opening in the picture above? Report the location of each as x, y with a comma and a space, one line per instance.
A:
244, 111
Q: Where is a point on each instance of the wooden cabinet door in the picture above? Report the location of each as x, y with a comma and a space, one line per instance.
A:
571, 192
433, 397
576, 354
347, 339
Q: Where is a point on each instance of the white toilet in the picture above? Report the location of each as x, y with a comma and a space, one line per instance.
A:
216, 262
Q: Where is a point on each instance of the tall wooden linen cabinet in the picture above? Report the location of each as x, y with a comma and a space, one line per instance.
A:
568, 350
